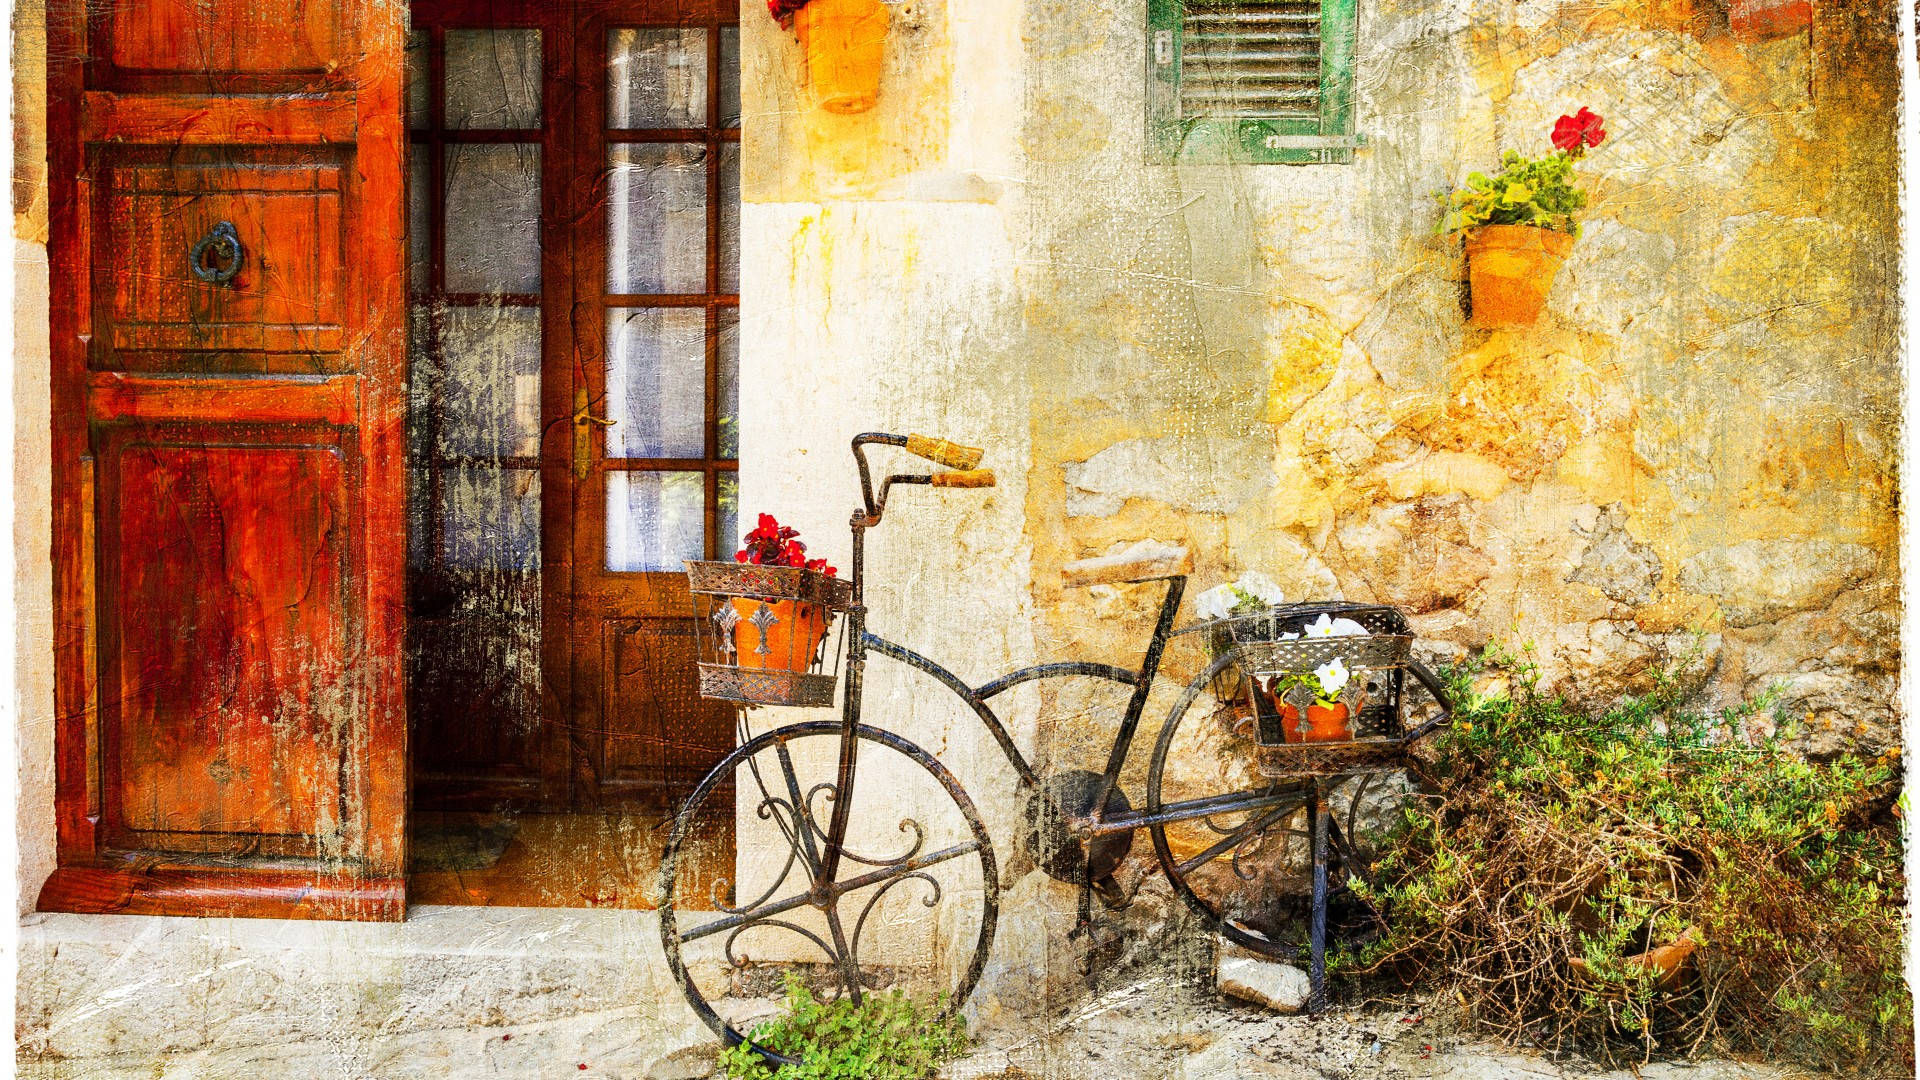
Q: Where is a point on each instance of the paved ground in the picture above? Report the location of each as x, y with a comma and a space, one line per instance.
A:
1162, 1029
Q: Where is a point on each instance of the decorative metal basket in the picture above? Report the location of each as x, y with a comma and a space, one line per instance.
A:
767, 633
1293, 734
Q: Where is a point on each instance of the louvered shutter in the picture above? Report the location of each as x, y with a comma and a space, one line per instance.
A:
1264, 81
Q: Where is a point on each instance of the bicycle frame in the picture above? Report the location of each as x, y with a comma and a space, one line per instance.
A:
860, 641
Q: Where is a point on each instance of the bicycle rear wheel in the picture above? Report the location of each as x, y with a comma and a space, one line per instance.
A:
1238, 846
916, 888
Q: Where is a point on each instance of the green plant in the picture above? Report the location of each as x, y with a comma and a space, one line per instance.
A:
1528, 191
888, 1036
1554, 833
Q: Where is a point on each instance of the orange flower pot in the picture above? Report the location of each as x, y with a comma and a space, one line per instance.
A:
1764, 20
1510, 269
792, 639
846, 43
1323, 723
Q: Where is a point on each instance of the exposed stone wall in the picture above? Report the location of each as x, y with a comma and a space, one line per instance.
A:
1272, 364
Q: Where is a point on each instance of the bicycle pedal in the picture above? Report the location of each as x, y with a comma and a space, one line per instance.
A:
1112, 896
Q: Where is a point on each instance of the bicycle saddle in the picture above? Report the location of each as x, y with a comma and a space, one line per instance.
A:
1147, 560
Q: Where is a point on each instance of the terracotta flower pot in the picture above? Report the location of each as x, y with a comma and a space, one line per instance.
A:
1323, 723
1765, 20
790, 640
846, 43
1664, 962
1510, 269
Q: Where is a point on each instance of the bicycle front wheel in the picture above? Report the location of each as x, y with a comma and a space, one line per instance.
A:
911, 904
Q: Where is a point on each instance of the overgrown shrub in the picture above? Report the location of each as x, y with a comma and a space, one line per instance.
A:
888, 1036
1551, 834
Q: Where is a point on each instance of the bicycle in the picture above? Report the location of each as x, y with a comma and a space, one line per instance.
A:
1216, 848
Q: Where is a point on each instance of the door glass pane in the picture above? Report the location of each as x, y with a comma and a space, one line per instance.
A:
657, 78
419, 221
730, 218
417, 75
657, 382
489, 518
493, 218
729, 383
655, 519
729, 516
493, 79
729, 76
489, 397
657, 221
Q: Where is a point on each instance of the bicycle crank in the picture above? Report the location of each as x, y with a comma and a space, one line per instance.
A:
1050, 840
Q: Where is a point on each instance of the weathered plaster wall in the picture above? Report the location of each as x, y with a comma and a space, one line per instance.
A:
32, 459
1271, 363
1693, 450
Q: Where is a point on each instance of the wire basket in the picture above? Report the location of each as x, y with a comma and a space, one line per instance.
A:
767, 632
1363, 727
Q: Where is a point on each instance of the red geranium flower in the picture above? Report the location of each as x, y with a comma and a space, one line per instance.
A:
1577, 132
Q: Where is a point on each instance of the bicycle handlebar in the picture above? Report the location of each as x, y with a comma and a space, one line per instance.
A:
942, 452
971, 478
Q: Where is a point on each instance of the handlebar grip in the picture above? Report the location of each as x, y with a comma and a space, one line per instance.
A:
942, 452
971, 478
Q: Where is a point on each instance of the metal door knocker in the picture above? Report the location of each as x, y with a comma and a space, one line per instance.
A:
222, 245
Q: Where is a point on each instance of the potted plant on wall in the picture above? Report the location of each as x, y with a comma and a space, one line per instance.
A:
1519, 224
771, 632
845, 42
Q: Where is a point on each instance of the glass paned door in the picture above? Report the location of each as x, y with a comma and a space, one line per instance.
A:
658, 481
479, 133
574, 220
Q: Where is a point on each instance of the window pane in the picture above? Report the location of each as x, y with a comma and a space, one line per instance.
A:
418, 72
493, 218
657, 78
488, 376
729, 516
419, 221
493, 79
655, 519
657, 223
657, 382
729, 348
729, 76
489, 518
730, 218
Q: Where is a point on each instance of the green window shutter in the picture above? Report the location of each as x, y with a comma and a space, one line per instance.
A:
1263, 81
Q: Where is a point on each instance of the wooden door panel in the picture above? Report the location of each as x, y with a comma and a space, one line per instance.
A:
226, 619
661, 735
245, 37
282, 310
230, 735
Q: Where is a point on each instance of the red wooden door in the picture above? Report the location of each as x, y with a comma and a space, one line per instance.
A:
229, 341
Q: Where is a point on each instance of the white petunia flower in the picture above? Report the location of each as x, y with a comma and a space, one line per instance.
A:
1333, 676
1255, 583
1328, 626
1215, 603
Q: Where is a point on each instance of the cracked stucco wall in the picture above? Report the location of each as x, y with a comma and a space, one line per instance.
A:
1694, 449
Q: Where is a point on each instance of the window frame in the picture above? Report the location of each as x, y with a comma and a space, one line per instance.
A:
1329, 139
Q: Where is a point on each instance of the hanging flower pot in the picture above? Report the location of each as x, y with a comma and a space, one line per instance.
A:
1510, 270
1322, 723
846, 44
1765, 20
774, 633
1519, 224
777, 635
